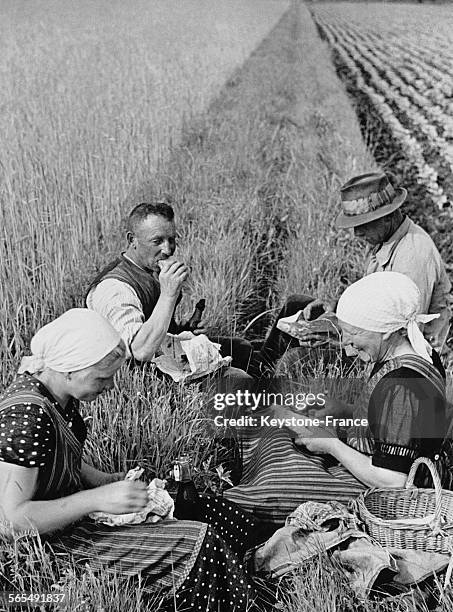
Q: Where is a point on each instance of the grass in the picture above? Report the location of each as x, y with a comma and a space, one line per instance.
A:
101, 114
323, 585
327, 148
93, 99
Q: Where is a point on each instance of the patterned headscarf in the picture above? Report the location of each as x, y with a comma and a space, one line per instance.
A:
386, 302
79, 338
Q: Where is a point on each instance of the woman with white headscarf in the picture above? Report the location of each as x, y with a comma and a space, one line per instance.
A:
405, 408
44, 484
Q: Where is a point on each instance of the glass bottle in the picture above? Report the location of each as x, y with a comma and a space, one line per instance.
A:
195, 319
187, 498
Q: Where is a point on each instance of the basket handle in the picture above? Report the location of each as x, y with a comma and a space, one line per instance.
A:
437, 486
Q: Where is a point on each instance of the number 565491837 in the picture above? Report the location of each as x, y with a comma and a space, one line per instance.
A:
12, 598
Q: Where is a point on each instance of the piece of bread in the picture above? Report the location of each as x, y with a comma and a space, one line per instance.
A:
324, 326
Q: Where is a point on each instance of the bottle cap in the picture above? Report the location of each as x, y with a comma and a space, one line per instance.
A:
182, 469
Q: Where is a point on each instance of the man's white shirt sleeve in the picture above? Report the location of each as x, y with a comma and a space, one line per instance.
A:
119, 304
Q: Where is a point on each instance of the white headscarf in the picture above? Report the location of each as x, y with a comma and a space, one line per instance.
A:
386, 302
76, 340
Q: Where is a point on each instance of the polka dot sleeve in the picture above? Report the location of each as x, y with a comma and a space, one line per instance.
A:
27, 436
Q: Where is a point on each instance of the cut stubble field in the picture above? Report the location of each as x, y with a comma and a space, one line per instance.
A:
235, 113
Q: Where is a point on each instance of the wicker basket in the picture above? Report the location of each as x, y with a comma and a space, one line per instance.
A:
388, 513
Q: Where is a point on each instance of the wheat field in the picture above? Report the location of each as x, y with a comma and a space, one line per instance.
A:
93, 95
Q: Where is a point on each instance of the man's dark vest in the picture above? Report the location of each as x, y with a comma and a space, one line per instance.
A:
145, 284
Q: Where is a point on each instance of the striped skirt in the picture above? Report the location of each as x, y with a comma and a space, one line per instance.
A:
164, 553
278, 476
187, 565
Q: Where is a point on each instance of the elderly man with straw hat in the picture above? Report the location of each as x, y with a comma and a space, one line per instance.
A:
371, 206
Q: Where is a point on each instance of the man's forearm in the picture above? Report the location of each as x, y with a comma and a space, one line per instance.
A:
361, 467
152, 333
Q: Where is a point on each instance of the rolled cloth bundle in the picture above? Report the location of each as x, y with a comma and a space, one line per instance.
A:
386, 302
79, 338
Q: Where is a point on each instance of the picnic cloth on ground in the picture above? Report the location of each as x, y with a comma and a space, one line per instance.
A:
314, 528
363, 561
414, 567
164, 553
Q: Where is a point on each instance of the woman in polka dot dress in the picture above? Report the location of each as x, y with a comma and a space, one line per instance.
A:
45, 483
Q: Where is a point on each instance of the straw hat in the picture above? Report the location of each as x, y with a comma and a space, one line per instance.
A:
368, 197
